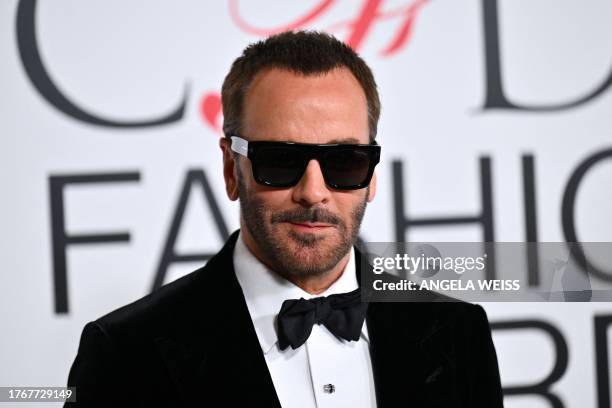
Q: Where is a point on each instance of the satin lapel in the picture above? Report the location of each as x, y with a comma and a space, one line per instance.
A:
410, 364
408, 348
219, 358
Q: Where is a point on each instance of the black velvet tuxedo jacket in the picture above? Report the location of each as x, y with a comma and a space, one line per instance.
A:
192, 343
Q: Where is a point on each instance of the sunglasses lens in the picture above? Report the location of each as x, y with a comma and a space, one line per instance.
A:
278, 166
346, 168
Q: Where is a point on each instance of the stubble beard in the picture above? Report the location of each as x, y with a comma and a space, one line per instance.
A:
300, 255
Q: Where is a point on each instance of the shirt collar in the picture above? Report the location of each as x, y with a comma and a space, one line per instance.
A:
265, 291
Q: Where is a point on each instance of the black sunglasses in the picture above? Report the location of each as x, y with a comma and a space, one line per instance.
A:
282, 164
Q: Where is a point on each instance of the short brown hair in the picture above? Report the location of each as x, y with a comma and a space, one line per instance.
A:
302, 52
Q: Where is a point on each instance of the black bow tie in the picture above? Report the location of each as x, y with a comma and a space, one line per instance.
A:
342, 314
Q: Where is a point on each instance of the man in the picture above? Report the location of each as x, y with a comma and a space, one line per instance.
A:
275, 317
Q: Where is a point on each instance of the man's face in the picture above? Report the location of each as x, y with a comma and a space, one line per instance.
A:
305, 230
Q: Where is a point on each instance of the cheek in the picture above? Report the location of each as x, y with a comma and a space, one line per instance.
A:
272, 200
349, 202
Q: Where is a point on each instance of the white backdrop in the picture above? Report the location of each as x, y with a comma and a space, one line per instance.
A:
443, 110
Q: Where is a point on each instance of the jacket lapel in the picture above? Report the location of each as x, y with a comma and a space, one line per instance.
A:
408, 349
409, 363
216, 356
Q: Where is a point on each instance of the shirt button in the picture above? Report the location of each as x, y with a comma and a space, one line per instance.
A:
329, 388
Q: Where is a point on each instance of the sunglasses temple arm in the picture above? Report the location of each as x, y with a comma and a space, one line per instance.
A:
240, 146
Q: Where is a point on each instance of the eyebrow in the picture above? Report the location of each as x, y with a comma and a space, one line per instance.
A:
350, 140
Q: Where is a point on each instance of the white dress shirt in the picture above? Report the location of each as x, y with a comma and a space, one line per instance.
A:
302, 377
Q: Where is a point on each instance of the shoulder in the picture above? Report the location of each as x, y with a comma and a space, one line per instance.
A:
431, 304
174, 310
428, 310
178, 303
153, 308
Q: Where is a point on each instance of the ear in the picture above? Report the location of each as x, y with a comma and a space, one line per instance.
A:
372, 189
229, 170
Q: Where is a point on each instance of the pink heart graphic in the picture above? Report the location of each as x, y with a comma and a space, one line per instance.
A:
210, 109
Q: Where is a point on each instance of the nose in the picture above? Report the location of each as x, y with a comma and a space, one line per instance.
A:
311, 189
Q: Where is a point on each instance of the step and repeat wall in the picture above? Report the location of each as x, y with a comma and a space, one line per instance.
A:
496, 125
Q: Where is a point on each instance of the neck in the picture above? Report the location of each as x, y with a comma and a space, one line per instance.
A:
311, 284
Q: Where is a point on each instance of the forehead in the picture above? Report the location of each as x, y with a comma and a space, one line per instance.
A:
324, 108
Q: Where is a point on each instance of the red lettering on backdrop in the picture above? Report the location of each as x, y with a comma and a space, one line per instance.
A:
405, 31
357, 29
363, 23
264, 32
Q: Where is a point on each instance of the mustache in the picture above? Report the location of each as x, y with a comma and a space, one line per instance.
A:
307, 215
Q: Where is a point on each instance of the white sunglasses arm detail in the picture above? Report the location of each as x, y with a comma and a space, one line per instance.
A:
240, 146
